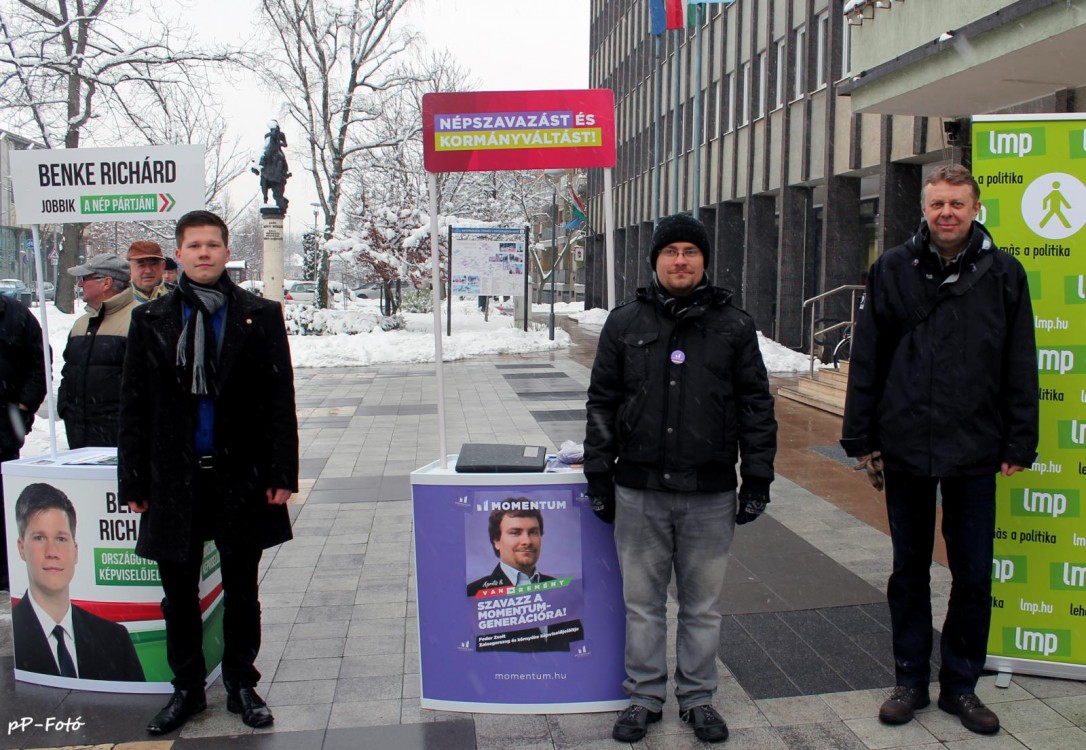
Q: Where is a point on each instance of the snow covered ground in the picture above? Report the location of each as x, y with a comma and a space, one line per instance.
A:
472, 336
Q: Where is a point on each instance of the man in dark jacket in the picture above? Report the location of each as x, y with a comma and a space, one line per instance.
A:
678, 392
22, 389
942, 392
208, 451
89, 399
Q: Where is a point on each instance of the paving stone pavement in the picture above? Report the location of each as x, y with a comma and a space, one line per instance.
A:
340, 657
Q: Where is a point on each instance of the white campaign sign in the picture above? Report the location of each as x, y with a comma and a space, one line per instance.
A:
136, 183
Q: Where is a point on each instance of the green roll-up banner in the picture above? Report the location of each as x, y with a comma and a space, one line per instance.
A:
1031, 170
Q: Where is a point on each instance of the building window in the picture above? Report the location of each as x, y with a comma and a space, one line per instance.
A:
730, 104
822, 51
759, 85
799, 50
744, 94
778, 75
846, 47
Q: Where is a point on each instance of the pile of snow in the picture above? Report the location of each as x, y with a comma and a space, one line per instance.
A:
472, 336
777, 358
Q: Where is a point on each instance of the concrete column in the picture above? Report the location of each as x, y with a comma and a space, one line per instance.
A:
899, 203
792, 252
844, 254
593, 245
728, 256
271, 225
760, 267
620, 263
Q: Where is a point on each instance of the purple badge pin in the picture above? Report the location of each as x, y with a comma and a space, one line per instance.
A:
678, 357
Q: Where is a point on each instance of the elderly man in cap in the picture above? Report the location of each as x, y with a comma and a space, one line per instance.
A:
89, 399
147, 264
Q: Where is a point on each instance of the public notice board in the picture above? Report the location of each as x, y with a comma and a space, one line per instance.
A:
1030, 170
138, 183
488, 260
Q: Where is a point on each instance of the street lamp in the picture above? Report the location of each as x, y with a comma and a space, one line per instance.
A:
554, 177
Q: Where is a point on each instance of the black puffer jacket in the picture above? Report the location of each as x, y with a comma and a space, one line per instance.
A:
678, 425
954, 394
89, 399
22, 373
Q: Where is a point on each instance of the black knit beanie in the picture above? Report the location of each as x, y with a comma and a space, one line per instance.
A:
679, 228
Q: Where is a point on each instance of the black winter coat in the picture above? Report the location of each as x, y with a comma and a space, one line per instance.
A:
954, 393
256, 427
22, 373
659, 424
89, 398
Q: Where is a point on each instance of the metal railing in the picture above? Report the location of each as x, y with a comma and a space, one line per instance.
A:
852, 289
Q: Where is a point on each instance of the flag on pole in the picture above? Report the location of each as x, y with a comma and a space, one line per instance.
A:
576, 207
658, 17
675, 14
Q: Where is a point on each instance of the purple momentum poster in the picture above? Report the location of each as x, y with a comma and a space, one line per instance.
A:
519, 597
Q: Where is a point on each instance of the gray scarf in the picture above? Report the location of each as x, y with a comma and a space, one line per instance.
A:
206, 301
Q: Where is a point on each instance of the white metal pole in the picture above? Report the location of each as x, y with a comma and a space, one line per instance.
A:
435, 279
42, 308
609, 236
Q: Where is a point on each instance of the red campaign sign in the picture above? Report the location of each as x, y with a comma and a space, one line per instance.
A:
492, 131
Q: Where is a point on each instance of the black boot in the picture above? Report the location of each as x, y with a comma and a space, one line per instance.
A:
245, 701
182, 705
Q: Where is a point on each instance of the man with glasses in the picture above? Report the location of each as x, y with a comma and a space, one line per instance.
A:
678, 393
89, 399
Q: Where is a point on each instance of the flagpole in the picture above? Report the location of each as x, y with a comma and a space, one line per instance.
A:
657, 121
676, 125
697, 111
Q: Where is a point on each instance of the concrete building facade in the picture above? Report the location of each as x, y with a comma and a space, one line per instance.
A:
814, 144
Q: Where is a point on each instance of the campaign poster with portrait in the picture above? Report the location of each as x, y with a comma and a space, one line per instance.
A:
72, 564
519, 595
524, 600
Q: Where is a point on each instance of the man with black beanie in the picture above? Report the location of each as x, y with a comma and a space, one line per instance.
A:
678, 394
208, 452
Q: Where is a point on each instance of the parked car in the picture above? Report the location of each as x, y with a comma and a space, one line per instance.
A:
50, 292
300, 292
370, 290
13, 288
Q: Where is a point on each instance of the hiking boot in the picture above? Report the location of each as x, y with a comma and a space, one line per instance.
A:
902, 704
975, 716
709, 726
632, 724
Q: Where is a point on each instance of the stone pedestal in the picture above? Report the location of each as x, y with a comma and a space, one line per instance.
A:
271, 225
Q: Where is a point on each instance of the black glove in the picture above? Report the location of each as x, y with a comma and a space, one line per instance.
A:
604, 507
753, 497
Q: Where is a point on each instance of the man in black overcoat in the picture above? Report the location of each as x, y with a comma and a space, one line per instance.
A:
208, 451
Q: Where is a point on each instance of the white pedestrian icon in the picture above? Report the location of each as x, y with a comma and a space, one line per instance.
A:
1054, 205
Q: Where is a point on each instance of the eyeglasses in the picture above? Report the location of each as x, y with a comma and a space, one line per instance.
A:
671, 253
91, 277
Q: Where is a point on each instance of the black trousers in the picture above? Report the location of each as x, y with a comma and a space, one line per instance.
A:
969, 512
181, 607
8, 456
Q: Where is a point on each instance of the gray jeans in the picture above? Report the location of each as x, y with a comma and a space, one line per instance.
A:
692, 532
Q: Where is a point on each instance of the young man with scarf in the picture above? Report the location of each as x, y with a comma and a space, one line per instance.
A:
208, 451
678, 394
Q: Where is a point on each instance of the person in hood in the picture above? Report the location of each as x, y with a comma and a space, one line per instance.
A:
942, 396
678, 394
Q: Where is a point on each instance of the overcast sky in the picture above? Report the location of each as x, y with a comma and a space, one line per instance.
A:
506, 44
